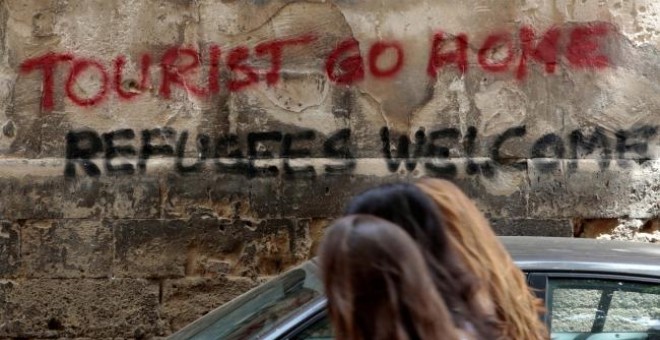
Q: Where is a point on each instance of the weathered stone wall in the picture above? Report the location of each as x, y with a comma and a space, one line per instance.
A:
159, 157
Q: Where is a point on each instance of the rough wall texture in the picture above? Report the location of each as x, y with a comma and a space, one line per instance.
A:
159, 157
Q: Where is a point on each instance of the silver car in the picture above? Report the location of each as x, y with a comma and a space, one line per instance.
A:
593, 289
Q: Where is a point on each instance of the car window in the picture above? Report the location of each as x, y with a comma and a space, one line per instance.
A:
603, 309
260, 310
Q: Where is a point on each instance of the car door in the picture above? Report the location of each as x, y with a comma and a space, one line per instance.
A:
581, 306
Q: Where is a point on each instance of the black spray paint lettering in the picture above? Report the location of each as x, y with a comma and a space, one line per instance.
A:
203, 143
635, 141
337, 146
81, 147
583, 145
551, 147
516, 132
434, 150
431, 148
402, 151
289, 152
148, 149
423, 147
112, 151
85, 145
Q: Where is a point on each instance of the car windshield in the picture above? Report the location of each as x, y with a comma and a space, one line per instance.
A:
261, 309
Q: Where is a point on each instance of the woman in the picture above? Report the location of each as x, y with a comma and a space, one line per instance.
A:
378, 285
515, 307
501, 295
408, 207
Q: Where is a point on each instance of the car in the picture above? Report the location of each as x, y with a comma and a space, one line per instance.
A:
593, 289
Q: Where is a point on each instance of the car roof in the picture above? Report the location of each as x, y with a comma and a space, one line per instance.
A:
532, 253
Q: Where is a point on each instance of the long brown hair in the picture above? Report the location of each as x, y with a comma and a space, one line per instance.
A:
406, 206
515, 307
378, 285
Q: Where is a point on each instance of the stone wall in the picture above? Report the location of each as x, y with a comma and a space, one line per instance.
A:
158, 158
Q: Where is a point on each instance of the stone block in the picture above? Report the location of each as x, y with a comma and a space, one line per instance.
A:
327, 196
30, 198
5, 287
265, 197
569, 188
66, 249
308, 236
112, 197
499, 191
160, 248
202, 247
532, 227
269, 250
185, 300
9, 249
644, 191
80, 308
53, 197
221, 196
626, 189
320, 197
593, 228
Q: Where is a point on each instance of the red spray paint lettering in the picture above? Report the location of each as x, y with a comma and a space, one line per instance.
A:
237, 64
181, 67
348, 70
145, 63
214, 69
438, 60
176, 73
492, 42
545, 51
377, 50
80, 66
583, 48
46, 64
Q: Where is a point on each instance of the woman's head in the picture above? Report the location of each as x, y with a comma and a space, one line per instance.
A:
413, 211
378, 284
408, 207
469, 232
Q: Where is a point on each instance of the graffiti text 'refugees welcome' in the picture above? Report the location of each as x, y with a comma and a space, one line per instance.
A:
233, 154
344, 65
